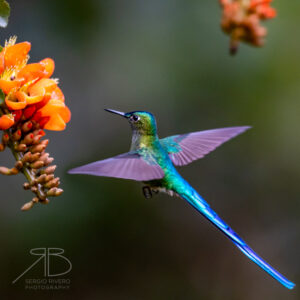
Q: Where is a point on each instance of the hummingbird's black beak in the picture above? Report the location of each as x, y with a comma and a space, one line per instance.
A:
116, 112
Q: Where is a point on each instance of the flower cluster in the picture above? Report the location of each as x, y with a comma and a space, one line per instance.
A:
30, 101
241, 20
28, 89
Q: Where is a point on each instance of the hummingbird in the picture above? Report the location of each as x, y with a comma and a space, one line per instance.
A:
152, 161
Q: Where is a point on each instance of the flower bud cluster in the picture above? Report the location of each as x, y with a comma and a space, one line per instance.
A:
241, 19
33, 161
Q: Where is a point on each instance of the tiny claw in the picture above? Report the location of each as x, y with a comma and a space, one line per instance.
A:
147, 192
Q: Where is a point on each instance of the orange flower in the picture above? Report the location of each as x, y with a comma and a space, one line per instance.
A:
241, 20
29, 88
30, 101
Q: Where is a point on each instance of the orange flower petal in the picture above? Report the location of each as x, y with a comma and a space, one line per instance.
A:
6, 121
55, 106
55, 123
14, 105
16, 53
58, 94
32, 71
45, 100
23, 97
42, 86
33, 99
7, 85
65, 114
49, 65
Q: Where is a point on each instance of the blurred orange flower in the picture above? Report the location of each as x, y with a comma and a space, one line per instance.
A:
241, 20
29, 88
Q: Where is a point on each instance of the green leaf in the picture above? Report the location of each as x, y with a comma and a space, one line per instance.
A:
4, 13
2, 98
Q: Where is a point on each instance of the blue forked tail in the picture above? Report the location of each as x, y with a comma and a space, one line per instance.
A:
193, 198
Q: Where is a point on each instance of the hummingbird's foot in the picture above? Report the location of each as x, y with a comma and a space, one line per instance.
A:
147, 192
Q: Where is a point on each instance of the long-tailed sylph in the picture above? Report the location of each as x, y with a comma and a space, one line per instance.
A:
153, 160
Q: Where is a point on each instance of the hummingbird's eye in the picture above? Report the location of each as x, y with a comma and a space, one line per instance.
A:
134, 118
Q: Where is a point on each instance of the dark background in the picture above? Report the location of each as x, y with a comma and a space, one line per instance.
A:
170, 58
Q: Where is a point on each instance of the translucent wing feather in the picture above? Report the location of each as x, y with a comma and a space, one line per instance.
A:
130, 165
185, 148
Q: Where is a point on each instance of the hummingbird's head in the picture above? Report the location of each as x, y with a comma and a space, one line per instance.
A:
142, 122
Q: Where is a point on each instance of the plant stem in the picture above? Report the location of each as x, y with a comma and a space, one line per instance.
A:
30, 176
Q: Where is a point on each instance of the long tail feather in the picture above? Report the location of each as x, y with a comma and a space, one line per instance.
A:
202, 206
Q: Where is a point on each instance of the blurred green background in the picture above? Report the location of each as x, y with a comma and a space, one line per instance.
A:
170, 58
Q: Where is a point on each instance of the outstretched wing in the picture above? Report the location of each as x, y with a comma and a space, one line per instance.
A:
185, 148
129, 165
